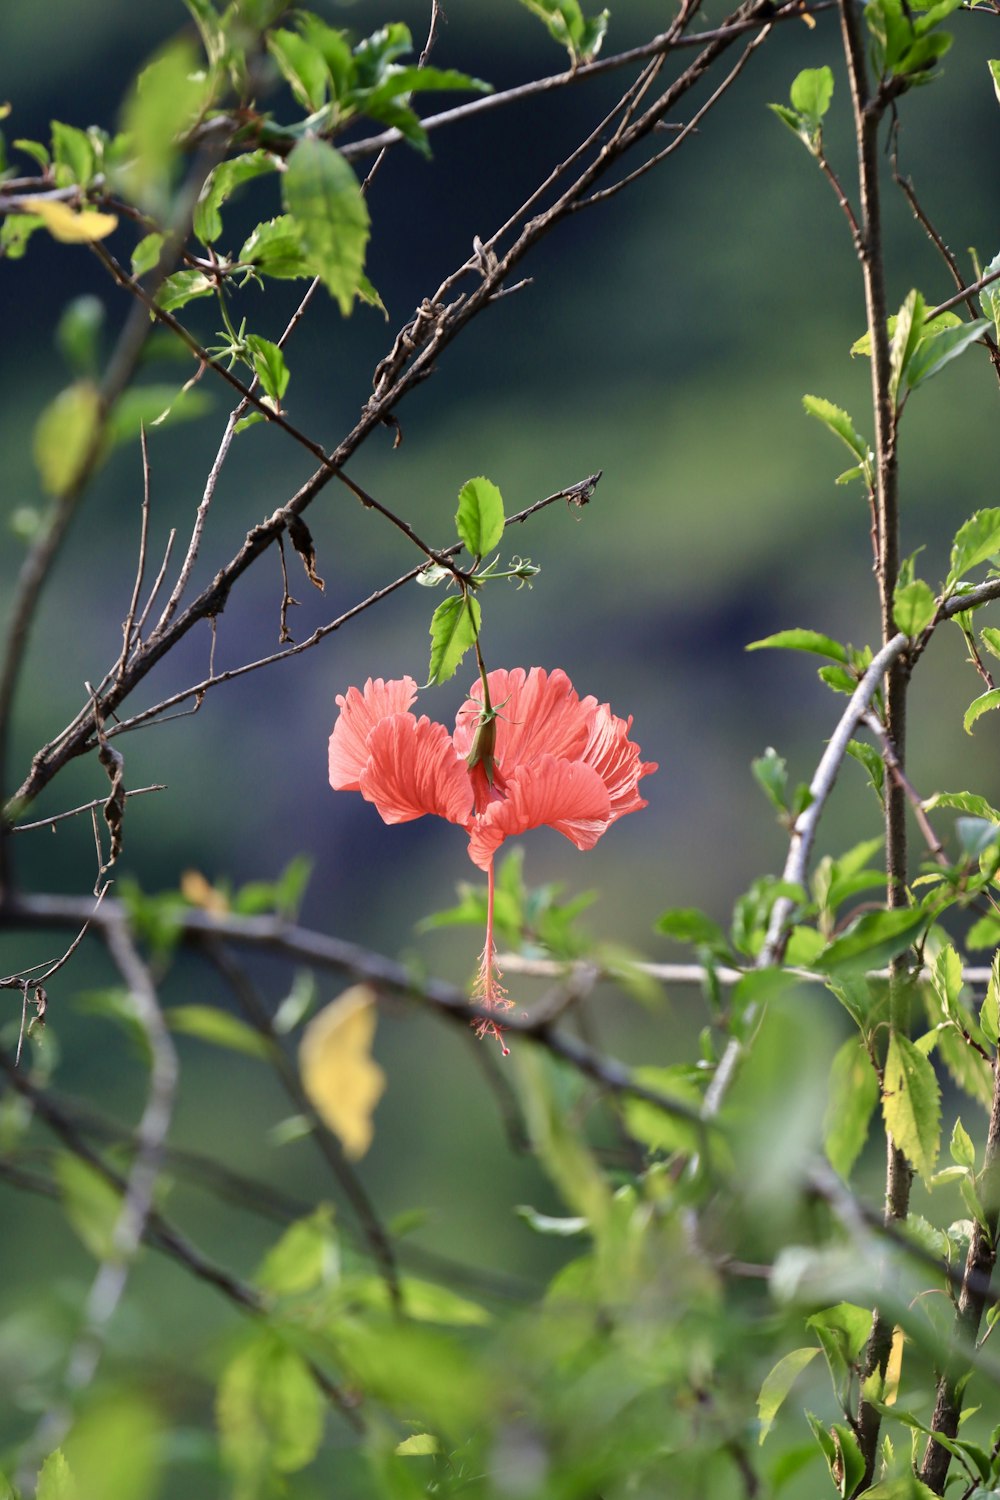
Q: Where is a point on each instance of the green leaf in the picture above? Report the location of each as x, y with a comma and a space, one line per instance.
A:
454, 629
303, 66
961, 1149
218, 1028
418, 1446
269, 1410
275, 248
873, 763
811, 93
78, 334
55, 1479
153, 406
852, 1100
221, 184
64, 436
146, 254
322, 194
802, 640
967, 802
911, 1103
980, 706
182, 287
976, 541
480, 517
904, 341
989, 297
688, 925
72, 155
169, 96
872, 940
994, 67
840, 424
566, 23
91, 1205
937, 349
269, 366
914, 607
989, 1014
771, 773
777, 1384
656, 1128
306, 1256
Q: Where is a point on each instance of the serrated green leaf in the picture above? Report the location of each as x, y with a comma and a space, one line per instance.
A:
146, 254
221, 184
771, 774
872, 940
977, 540
303, 67
946, 977
989, 1014
275, 248
967, 802
802, 640
480, 517
183, 287
904, 341
454, 628
935, 350
55, 1479
322, 194
418, 1446
911, 1103
269, 366
777, 1384
72, 155
914, 607
961, 1149
989, 297
218, 1028
979, 706
851, 1102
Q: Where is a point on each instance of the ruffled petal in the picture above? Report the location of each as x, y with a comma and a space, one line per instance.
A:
538, 713
616, 760
359, 713
412, 769
565, 795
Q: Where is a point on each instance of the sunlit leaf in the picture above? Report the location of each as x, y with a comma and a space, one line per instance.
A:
322, 194
341, 1079
269, 1410
777, 1384
851, 1103
454, 628
911, 1103
480, 517
71, 226
979, 706
913, 607
976, 540
306, 1256
802, 640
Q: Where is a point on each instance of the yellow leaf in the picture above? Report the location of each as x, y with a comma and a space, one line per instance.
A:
196, 889
68, 226
338, 1074
894, 1366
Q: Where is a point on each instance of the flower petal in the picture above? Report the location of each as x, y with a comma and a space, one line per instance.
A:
538, 713
562, 794
359, 713
616, 760
412, 769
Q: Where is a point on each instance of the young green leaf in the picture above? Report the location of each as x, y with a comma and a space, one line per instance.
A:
269, 366
852, 1100
872, 940
840, 424
967, 802
321, 193
218, 1028
938, 348
911, 1103
994, 66
777, 1384
913, 607
566, 23
811, 93
960, 1147
771, 773
170, 94
904, 341
976, 540
989, 1014
454, 628
303, 67
980, 706
480, 517
989, 297
55, 1479
802, 640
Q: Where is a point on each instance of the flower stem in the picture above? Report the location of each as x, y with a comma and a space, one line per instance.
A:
488, 990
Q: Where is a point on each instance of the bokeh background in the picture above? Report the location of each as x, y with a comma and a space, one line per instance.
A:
666, 339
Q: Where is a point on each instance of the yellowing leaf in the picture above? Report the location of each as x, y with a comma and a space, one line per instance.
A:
70, 227
894, 1367
197, 890
338, 1074
64, 435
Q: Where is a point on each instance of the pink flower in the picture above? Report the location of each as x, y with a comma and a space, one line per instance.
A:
531, 752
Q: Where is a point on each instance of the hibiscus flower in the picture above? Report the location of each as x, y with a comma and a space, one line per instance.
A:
526, 750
